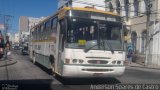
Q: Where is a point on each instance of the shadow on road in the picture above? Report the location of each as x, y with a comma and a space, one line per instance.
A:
87, 81
82, 81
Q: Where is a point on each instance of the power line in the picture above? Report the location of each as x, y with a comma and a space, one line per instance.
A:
121, 8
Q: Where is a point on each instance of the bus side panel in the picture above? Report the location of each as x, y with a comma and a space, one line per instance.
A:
43, 53
43, 60
58, 69
31, 50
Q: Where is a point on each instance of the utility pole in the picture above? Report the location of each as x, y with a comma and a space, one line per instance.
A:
147, 46
6, 20
6, 23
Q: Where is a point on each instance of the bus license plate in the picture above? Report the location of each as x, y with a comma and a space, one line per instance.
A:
97, 74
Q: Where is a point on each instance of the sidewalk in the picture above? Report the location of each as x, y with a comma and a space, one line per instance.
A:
9, 61
133, 64
139, 61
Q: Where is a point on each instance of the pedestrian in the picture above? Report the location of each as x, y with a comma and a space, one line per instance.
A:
7, 47
1, 45
129, 56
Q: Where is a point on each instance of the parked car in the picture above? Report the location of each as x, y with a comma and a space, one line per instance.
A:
25, 50
16, 48
1, 45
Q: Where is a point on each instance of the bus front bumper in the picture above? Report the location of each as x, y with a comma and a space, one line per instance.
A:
92, 71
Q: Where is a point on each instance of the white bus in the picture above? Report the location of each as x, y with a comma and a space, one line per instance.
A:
80, 42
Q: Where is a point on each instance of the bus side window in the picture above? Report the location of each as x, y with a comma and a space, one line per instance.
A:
36, 34
48, 24
39, 33
54, 23
53, 26
45, 31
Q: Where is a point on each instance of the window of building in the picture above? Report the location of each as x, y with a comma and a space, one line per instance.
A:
118, 6
36, 33
111, 7
54, 23
136, 7
126, 2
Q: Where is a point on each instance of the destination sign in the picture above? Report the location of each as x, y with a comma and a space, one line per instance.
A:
103, 18
97, 16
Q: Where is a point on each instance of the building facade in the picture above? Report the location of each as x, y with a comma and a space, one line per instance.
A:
153, 46
142, 18
135, 19
33, 21
25, 24
16, 38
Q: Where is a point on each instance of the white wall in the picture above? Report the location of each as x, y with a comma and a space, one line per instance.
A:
155, 47
16, 38
83, 3
100, 4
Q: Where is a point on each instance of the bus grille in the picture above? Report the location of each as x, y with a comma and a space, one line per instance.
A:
97, 70
97, 62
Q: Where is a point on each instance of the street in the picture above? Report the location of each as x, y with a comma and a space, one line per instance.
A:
24, 74
80, 38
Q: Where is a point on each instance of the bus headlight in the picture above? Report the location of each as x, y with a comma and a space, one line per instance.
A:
81, 61
75, 60
113, 62
119, 62
67, 61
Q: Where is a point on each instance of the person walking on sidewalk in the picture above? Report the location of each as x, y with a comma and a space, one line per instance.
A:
129, 56
1, 45
7, 47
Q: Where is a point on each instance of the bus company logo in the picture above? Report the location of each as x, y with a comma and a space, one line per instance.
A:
98, 62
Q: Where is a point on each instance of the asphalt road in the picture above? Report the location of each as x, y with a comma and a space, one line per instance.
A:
25, 75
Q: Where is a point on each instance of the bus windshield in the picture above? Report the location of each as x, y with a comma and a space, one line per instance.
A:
81, 31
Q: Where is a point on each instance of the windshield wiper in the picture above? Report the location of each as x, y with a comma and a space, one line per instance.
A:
109, 45
102, 44
99, 44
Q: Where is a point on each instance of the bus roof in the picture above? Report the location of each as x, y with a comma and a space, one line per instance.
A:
79, 9
89, 9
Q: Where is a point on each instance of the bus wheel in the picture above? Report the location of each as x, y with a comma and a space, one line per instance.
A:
51, 59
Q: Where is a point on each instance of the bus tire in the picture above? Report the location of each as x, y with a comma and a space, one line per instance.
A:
52, 62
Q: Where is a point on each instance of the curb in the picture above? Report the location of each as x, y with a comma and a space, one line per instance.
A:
9, 62
146, 67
